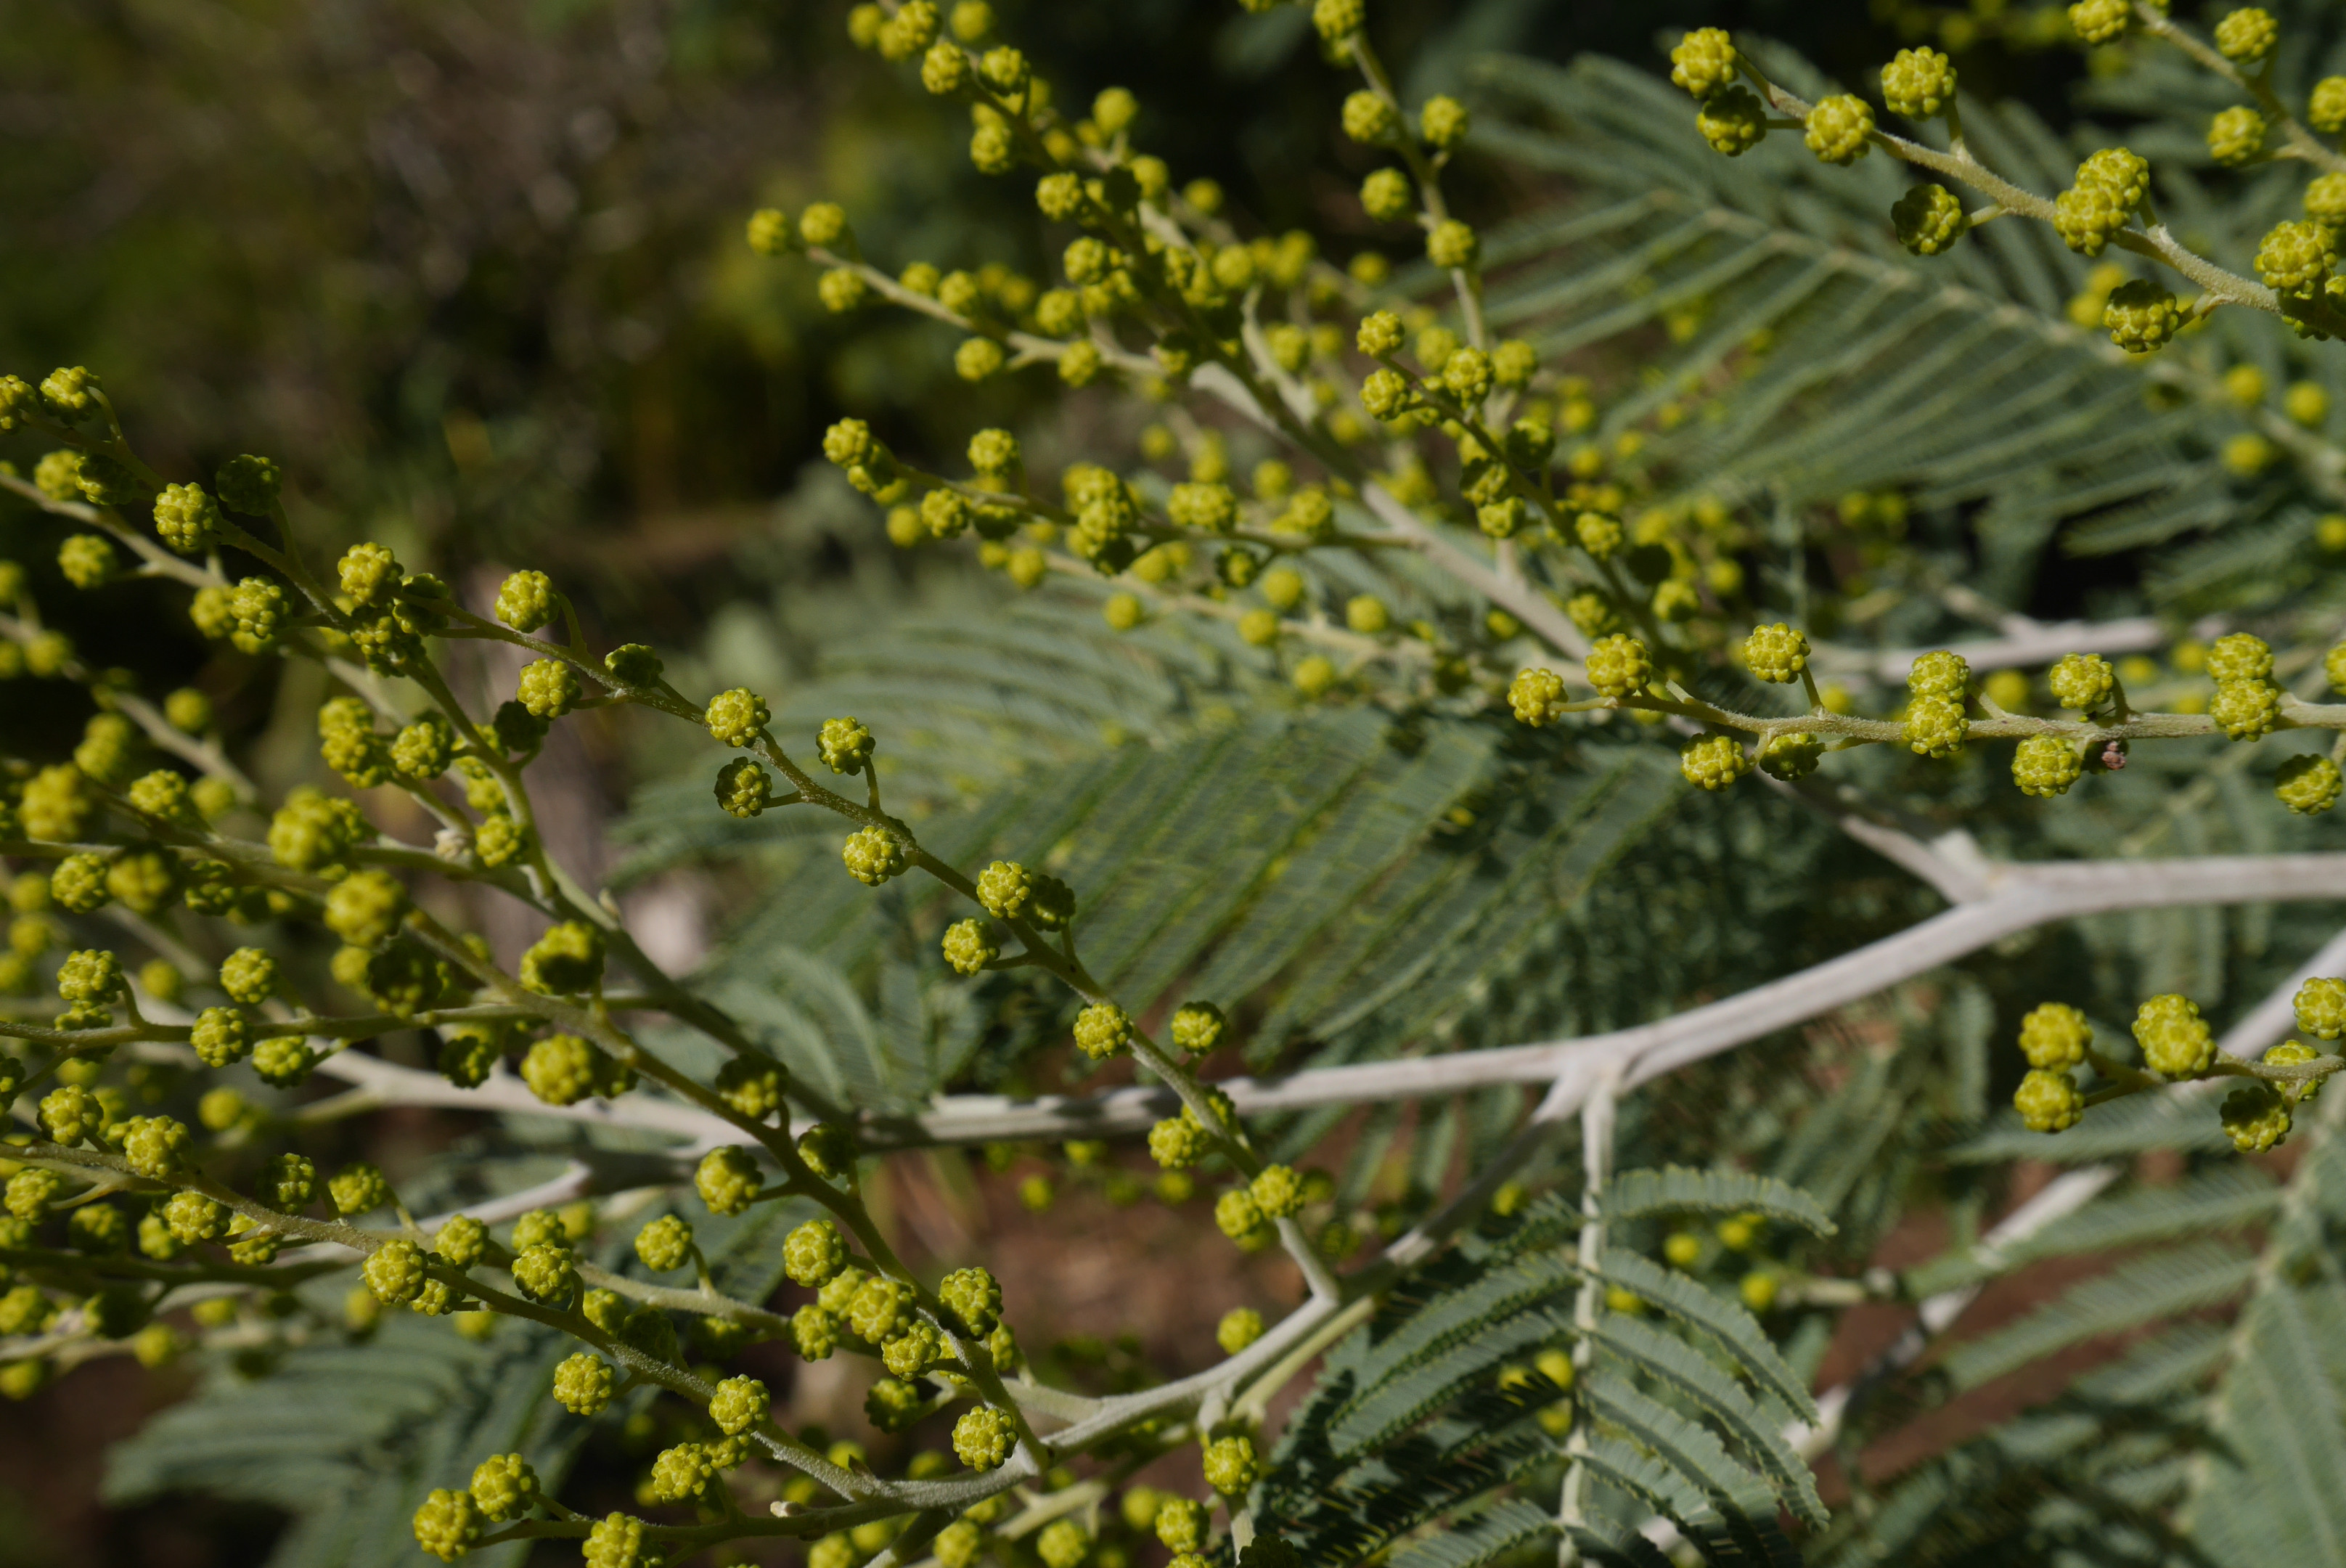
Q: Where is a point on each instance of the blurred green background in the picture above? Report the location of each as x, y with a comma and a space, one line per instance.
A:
471, 270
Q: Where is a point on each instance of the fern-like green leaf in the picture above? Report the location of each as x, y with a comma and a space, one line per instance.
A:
1659, 1486
2225, 1198
1737, 1332
1396, 1403
2140, 1290
1497, 1530
1677, 1189
1354, 1510
1688, 1447
1977, 390
1629, 1550
2133, 1125
1472, 1310
2279, 1475
2222, 1199
347, 1439
1686, 1369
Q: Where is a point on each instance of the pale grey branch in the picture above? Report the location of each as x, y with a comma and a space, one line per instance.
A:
2018, 899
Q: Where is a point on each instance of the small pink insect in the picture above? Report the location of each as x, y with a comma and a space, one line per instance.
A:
2113, 757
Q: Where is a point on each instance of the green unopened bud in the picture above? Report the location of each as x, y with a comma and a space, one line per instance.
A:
1918, 84
461, 1241
739, 1405
824, 225
527, 601
632, 663
1060, 196
567, 961
828, 1148
982, 1438
95, 976
549, 688
186, 518
69, 393
357, 1190
1197, 1027
2247, 35
249, 975
1929, 219
873, 856
249, 484
736, 717
769, 231
1443, 121
814, 1253
88, 560
1703, 62
974, 1299
1337, 20
945, 69
665, 1244
1229, 1465
220, 1036
845, 745
1387, 196
1453, 245
365, 908
18, 402
1838, 129
1003, 68
743, 789
583, 1384
2237, 136
1368, 117
1114, 110
969, 946
287, 1182
1102, 1030
77, 885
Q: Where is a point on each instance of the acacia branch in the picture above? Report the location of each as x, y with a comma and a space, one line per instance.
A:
1597, 1122
2302, 143
2152, 241
2040, 644
2017, 899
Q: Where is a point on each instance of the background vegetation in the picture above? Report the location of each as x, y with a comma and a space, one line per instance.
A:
473, 273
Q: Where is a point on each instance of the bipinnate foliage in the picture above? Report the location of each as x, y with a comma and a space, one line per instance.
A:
1364, 816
